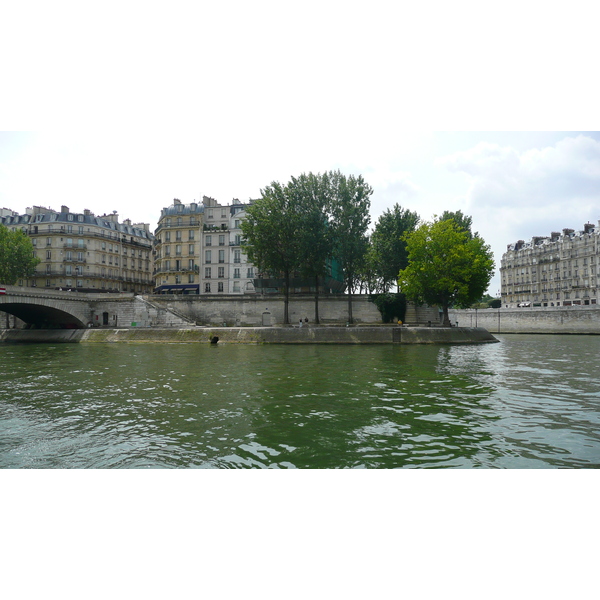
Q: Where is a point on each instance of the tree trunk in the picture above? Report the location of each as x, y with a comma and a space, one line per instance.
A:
350, 319
317, 300
446, 318
286, 301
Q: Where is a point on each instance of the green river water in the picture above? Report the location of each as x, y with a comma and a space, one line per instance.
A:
526, 402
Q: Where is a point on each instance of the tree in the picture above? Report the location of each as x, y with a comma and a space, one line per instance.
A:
446, 266
271, 233
16, 256
463, 221
312, 195
389, 245
350, 203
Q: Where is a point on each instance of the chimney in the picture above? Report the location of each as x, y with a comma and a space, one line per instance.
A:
64, 209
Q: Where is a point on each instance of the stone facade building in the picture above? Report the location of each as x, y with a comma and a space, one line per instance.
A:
559, 270
198, 249
83, 252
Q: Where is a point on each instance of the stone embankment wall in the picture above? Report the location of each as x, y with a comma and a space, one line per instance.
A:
387, 334
249, 311
568, 319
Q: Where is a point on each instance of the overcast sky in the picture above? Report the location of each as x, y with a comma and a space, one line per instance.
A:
126, 110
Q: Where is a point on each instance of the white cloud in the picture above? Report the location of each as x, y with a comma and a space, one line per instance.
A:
515, 195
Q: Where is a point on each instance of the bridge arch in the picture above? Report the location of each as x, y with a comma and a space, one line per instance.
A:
44, 311
43, 317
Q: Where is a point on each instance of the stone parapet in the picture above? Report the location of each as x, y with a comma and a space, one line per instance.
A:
571, 319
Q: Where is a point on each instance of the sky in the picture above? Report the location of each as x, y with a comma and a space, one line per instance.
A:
457, 108
488, 108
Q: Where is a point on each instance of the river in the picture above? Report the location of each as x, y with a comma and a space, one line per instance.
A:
530, 401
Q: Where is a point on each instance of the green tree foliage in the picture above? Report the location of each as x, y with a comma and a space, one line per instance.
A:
447, 267
16, 256
311, 194
389, 246
391, 306
350, 204
271, 232
303, 224
463, 221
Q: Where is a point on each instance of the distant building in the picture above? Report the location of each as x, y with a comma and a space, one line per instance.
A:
559, 270
83, 252
198, 249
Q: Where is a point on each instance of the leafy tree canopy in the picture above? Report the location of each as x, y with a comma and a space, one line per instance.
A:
350, 204
464, 222
389, 246
16, 256
447, 267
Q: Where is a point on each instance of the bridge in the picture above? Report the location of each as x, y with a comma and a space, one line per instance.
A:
55, 309
52, 309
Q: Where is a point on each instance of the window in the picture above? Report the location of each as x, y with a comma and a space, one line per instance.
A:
80, 244
191, 249
210, 213
191, 234
69, 217
207, 272
237, 256
179, 221
178, 250
221, 272
167, 251
48, 269
80, 256
250, 273
177, 279
48, 255
236, 273
220, 286
221, 240
191, 264
68, 270
167, 265
69, 242
209, 240
48, 241
207, 287
178, 235
236, 286
191, 278
80, 230
221, 256
207, 256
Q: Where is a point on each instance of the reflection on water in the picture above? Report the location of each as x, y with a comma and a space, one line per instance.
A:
529, 401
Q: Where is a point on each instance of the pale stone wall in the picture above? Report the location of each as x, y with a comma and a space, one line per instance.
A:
568, 319
248, 310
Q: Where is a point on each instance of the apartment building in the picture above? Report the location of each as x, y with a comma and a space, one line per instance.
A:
198, 249
558, 270
83, 252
